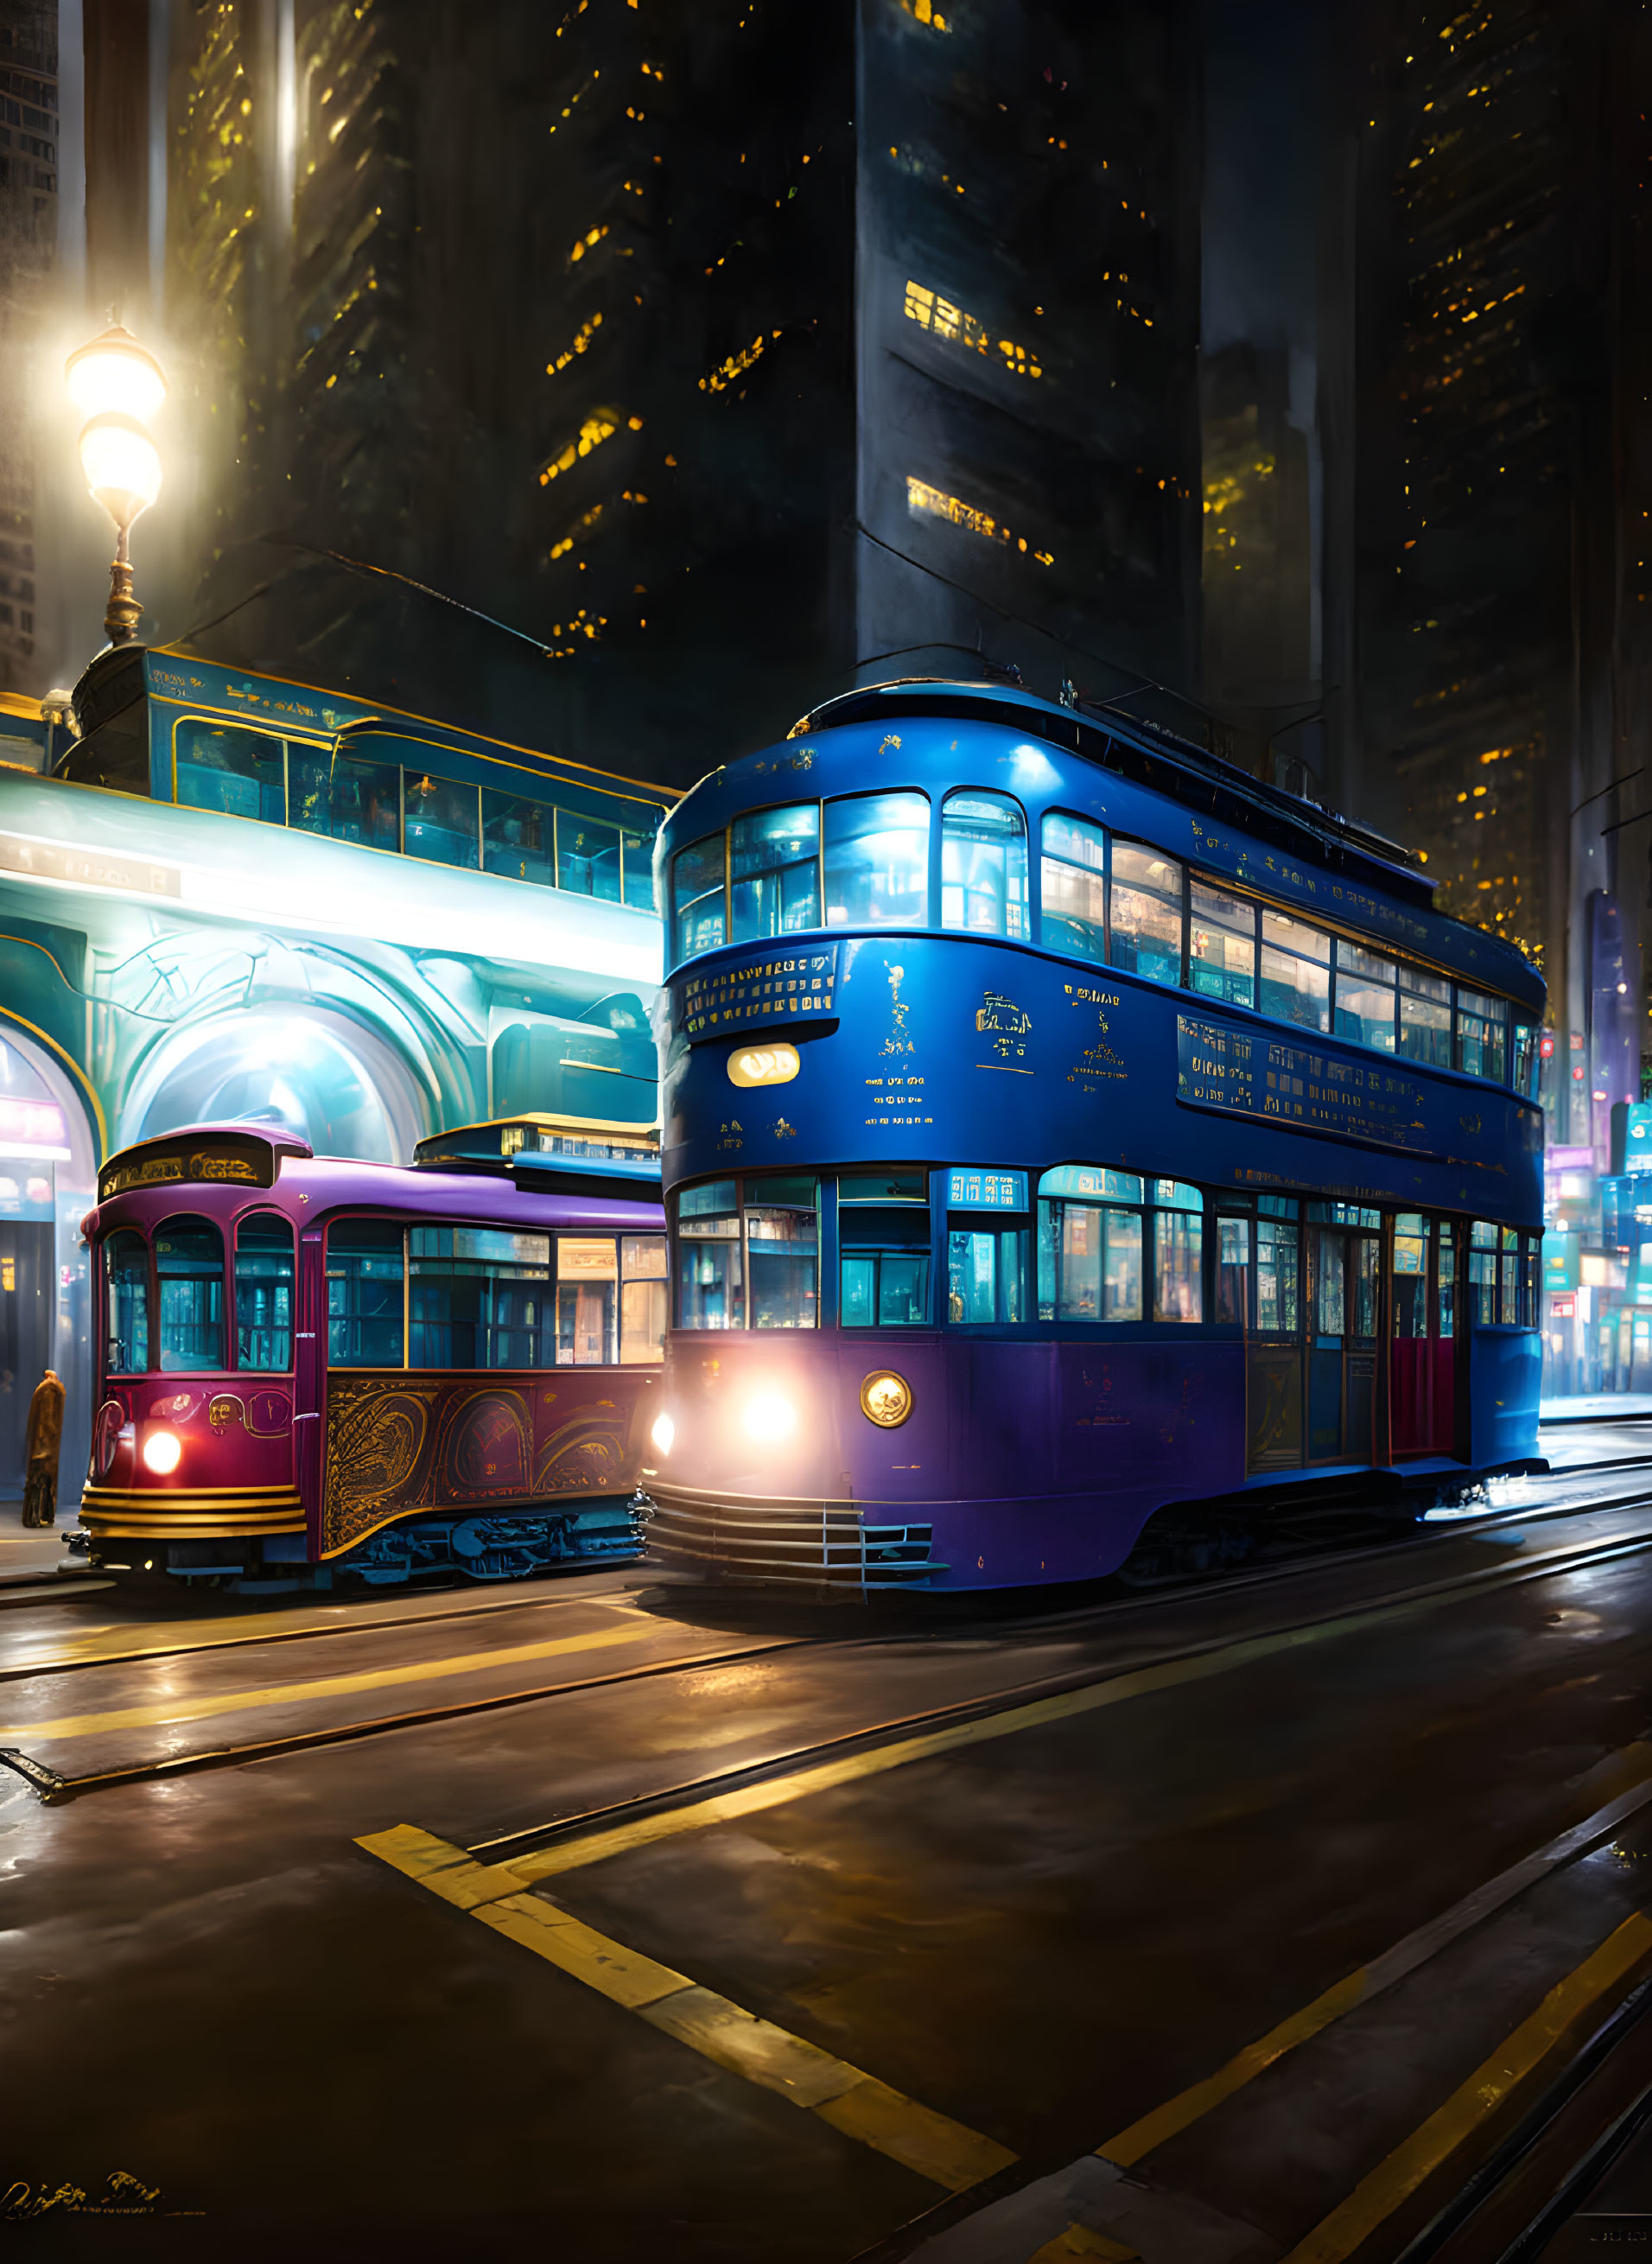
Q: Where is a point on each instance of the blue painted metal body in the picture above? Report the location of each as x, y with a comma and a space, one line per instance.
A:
1036, 1450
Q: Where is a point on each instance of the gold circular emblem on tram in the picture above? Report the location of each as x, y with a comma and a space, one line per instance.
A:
886, 1398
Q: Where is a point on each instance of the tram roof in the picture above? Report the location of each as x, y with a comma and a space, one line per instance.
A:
1146, 753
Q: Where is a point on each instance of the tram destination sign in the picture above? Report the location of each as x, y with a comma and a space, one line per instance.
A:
783, 986
1219, 1065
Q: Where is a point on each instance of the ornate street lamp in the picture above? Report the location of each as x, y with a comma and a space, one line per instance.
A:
118, 386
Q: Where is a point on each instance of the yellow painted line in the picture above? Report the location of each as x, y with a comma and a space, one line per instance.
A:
1376, 2198
1078, 2242
853, 2102
332, 1686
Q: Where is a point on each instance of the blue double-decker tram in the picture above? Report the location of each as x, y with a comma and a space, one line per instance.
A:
1060, 1127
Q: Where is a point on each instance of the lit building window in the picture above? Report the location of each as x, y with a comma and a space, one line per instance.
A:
581, 339
923, 501
939, 316
924, 11
601, 426
738, 364
592, 236
580, 527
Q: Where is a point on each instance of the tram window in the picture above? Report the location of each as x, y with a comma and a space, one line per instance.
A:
1073, 888
710, 1286
1233, 1270
1091, 1181
587, 1296
1277, 1274
1178, 1244
1221, 946
782, 1246
1089, 1263
587, 857
984, 865
985, 1271
1145, 911
1425, 1017
224, 766
189, 1278
884, 1255
1482, 1030
1445, 1271
350, 799
479, 1297
883, 1188
440, 820
642, 1298
1364, 997
518, 838
1526, 1061
1483, 1272
875, 860
1331, 1291
1531, 1273
1295, 972
697, 896
1509, 1272
1362, 1318
774, 872
1410, 1274
637, 853
366, 1287
264, 1292
125, 1256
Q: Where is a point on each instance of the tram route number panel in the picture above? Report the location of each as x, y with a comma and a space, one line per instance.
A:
1219, 1066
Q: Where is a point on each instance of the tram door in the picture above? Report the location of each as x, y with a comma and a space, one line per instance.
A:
1424, 1378
1341, 1355
1259, 1283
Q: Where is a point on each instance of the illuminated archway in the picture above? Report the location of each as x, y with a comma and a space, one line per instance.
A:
335, 1083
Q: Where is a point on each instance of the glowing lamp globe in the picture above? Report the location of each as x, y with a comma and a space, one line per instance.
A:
114, 373
122, 465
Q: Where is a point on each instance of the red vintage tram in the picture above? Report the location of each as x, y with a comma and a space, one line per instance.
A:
311, 1367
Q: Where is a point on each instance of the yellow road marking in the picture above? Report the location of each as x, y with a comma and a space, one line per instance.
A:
332, 1686
1078, 2241
853, 2102
1377, 2196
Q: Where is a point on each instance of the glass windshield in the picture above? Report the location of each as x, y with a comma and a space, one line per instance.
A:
264, 1292
189, 1272
126, 1281
697, 896
984, 865
875, 852
774, 872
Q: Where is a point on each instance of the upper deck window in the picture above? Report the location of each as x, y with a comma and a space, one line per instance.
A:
264, 1292
1145, 913
1483, 1035
1295, 971
875, 858
125, 1256
343, 796
1073, 887
698, 875
441, 821
1425, 1017
518, 837
774, 872
189, 1272
1365, 996
1222, 945
224, 766
984, 865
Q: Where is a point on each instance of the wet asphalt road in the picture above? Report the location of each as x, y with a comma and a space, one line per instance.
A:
1039, 1933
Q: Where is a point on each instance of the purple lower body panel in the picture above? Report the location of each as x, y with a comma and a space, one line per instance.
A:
1011, 1463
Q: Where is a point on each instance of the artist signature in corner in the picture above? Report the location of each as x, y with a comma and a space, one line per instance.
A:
122, 2195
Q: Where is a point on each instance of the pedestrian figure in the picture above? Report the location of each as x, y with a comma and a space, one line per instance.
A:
42, 1440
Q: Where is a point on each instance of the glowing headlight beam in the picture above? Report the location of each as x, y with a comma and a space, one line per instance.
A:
768, 1419
663, 1433
161, 1452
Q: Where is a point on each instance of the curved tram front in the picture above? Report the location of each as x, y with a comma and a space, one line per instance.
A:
312, 1367
1060, 1127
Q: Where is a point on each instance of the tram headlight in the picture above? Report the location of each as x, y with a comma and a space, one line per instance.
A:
769, 1418
663, 1433
161, 1452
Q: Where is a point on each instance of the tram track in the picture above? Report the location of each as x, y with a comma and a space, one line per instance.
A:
1287, 1565
53, 1787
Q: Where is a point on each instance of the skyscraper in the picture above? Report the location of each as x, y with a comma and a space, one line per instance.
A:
705, 355
28, 252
